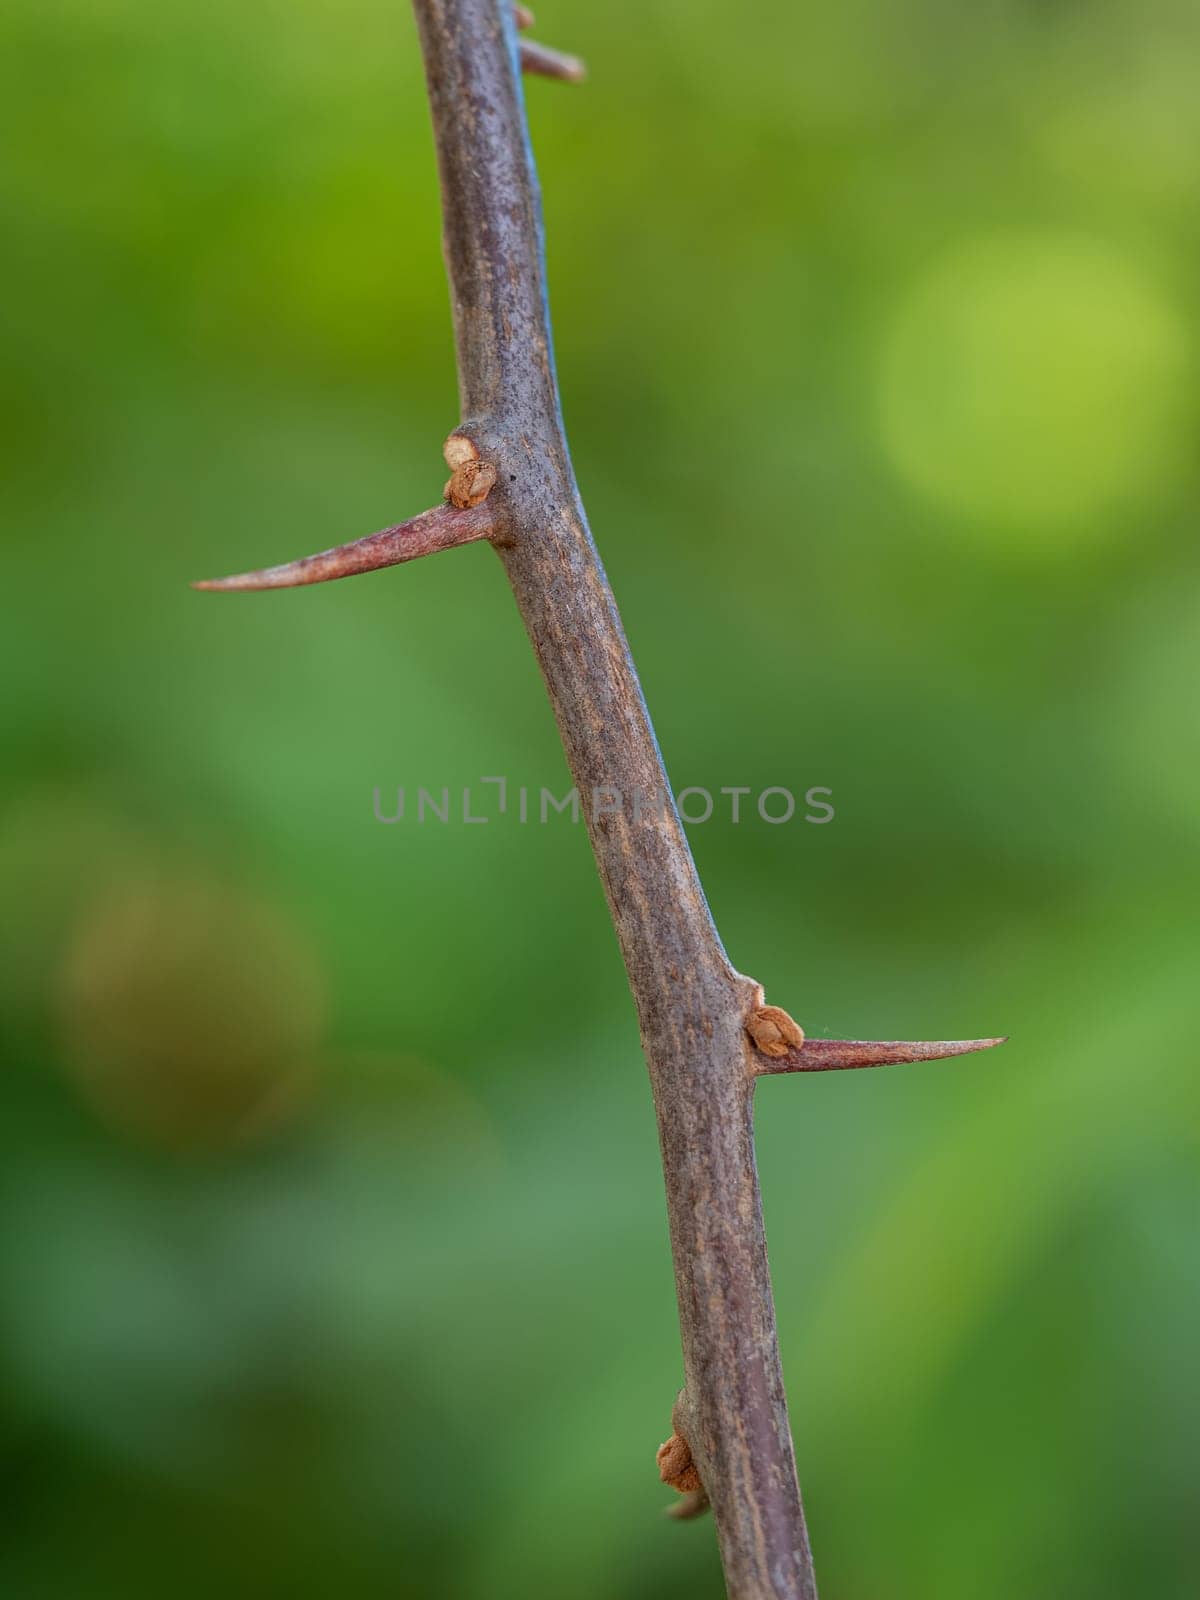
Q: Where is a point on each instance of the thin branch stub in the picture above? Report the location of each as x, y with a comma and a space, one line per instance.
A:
540, 58
544, 62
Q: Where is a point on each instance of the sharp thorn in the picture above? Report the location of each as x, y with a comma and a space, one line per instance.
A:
439, 529
838, 1055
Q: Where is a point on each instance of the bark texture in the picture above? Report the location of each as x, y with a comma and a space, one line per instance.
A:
691, 1003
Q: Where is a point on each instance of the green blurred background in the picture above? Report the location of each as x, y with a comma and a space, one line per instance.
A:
332, 1247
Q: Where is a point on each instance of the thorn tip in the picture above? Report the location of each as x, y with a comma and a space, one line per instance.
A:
838, 1055
442, 528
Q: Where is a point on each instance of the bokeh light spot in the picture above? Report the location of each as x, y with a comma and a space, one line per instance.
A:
191, 1012
1036, 383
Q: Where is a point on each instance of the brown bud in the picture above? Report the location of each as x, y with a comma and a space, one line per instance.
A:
676, 1467
773, 1031
470, 483
458, 448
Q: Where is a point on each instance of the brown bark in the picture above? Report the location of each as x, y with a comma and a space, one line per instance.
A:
691, 1003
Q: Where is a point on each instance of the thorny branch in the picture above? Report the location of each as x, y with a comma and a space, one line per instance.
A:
706, 1032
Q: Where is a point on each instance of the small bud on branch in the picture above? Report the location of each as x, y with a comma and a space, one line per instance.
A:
459, 448
470, 484
675, 1465
773, 1031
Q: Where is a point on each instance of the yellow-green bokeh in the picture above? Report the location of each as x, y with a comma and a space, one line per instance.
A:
1040, 385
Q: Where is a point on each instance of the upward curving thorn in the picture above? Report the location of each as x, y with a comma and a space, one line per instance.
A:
442, 528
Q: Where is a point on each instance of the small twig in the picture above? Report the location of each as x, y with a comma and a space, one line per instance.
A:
540, 58
547, 63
